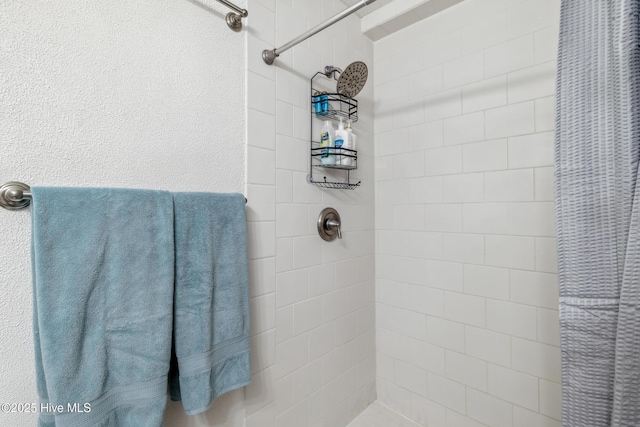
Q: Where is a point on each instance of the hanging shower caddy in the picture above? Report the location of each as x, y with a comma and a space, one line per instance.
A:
332, 106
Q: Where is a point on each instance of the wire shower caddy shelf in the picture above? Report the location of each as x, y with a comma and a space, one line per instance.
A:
331, 106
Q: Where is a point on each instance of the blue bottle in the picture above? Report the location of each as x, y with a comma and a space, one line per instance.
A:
324, 103
317, 104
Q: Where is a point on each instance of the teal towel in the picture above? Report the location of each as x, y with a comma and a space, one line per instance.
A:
211, 300
103, 269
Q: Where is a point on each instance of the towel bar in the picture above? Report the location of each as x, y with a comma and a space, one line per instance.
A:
17, 195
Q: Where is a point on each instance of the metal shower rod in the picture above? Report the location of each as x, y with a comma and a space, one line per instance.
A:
270, 55
234, 20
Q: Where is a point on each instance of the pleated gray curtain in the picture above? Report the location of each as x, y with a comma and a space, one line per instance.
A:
598, 211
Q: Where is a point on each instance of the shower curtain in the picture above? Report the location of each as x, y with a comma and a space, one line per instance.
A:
598, 211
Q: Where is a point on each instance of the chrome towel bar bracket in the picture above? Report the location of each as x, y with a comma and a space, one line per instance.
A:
16, 195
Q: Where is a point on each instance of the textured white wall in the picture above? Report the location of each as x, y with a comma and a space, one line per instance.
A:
467, 321
141, 94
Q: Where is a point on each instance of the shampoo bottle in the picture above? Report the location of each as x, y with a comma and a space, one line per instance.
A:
350, 161
342, 141
324, 103
327, 144
317, 103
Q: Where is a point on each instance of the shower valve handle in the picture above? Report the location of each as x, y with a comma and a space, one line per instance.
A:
332, 224
329, 225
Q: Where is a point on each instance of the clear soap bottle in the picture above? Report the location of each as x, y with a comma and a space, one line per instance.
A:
327, 144
350, 160
342, 141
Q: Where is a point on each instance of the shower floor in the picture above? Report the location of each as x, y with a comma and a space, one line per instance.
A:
377, 415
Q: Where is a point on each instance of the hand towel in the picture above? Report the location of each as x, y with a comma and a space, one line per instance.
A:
211, 299
103, 270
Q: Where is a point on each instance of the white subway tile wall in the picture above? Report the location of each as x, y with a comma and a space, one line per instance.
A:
466, 286
312, 305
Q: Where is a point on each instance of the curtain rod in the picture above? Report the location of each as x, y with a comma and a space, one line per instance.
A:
17, 195
269, 56
234, 20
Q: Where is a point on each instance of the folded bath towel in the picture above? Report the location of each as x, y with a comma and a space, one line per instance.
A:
103, 269
211, 300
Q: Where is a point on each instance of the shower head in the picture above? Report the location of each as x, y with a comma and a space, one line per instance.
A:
351, 80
